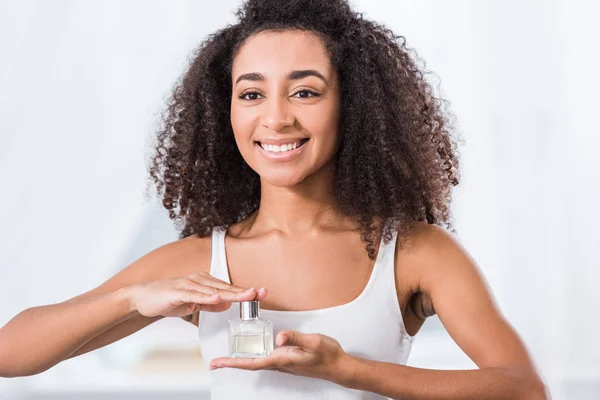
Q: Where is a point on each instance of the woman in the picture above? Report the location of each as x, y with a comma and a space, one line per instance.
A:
302, 152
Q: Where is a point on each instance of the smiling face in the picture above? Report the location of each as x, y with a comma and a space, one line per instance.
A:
285, 105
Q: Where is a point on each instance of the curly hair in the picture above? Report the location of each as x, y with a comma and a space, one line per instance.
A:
397, 140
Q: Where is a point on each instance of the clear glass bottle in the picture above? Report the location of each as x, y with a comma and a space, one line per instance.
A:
250, 336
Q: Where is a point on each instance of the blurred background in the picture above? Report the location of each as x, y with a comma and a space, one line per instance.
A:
81, 87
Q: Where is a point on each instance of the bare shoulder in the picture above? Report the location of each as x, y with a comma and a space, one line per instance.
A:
430, 251
435, 261
420, 255
427, 237
179, 258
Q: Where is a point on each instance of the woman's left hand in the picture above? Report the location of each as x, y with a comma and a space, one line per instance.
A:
311, 355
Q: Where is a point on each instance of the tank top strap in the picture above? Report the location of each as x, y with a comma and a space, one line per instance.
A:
385, 277
385, 263
218, 262
387, 282
388, 252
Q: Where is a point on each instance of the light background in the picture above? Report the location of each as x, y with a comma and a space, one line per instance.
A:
81, 87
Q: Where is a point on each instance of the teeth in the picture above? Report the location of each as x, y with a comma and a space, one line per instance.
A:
279, 149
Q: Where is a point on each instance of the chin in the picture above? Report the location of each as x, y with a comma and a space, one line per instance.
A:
282, 179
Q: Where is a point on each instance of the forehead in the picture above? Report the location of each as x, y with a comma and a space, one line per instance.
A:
280, 52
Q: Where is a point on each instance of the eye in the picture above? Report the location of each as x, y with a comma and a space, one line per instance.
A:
307, 92
253, 94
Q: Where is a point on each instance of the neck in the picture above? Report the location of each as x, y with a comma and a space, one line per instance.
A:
306, 208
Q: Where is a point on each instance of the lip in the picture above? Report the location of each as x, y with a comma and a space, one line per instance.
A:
284, 156
281, 142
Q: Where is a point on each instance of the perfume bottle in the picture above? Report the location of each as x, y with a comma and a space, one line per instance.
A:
250, 336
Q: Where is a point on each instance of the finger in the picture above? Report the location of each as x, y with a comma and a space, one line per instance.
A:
193, 296
207, 307
251, 364
249, 294
220, 307
261, 293
294, 338
216, 286
225, 295
209, 280
277, 359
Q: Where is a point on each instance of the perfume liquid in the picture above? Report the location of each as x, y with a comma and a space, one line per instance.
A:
250, 336
251, 344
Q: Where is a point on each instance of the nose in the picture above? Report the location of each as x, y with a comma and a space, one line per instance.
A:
277, 115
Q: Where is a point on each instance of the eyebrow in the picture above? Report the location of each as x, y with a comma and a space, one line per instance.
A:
294, 75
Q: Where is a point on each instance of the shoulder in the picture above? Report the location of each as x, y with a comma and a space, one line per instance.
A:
179, 258
429, 254
427, 244
439, 264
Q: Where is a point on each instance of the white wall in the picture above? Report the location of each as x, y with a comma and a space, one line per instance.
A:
82, 82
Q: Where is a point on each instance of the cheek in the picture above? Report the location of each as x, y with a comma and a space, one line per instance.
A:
325, 130
239, 120
242, 126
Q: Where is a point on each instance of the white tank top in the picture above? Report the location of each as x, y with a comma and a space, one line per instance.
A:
369, 326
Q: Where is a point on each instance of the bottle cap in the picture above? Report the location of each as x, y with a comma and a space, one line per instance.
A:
249, 309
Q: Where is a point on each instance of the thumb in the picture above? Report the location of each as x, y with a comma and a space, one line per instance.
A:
293, 338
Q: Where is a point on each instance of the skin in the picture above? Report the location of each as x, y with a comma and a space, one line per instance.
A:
296, 231
295, 246
277, 107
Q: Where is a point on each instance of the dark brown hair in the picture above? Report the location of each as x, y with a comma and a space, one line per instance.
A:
397, 161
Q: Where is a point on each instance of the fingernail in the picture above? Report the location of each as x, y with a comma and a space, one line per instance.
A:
250, 289
282, 339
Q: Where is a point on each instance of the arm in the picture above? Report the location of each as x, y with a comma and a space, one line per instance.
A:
402, 382
460, 297
41, 337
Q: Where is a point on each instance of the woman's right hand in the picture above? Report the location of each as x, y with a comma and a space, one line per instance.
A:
180, 297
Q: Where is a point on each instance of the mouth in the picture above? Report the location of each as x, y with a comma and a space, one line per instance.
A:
284, 153
290, 147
